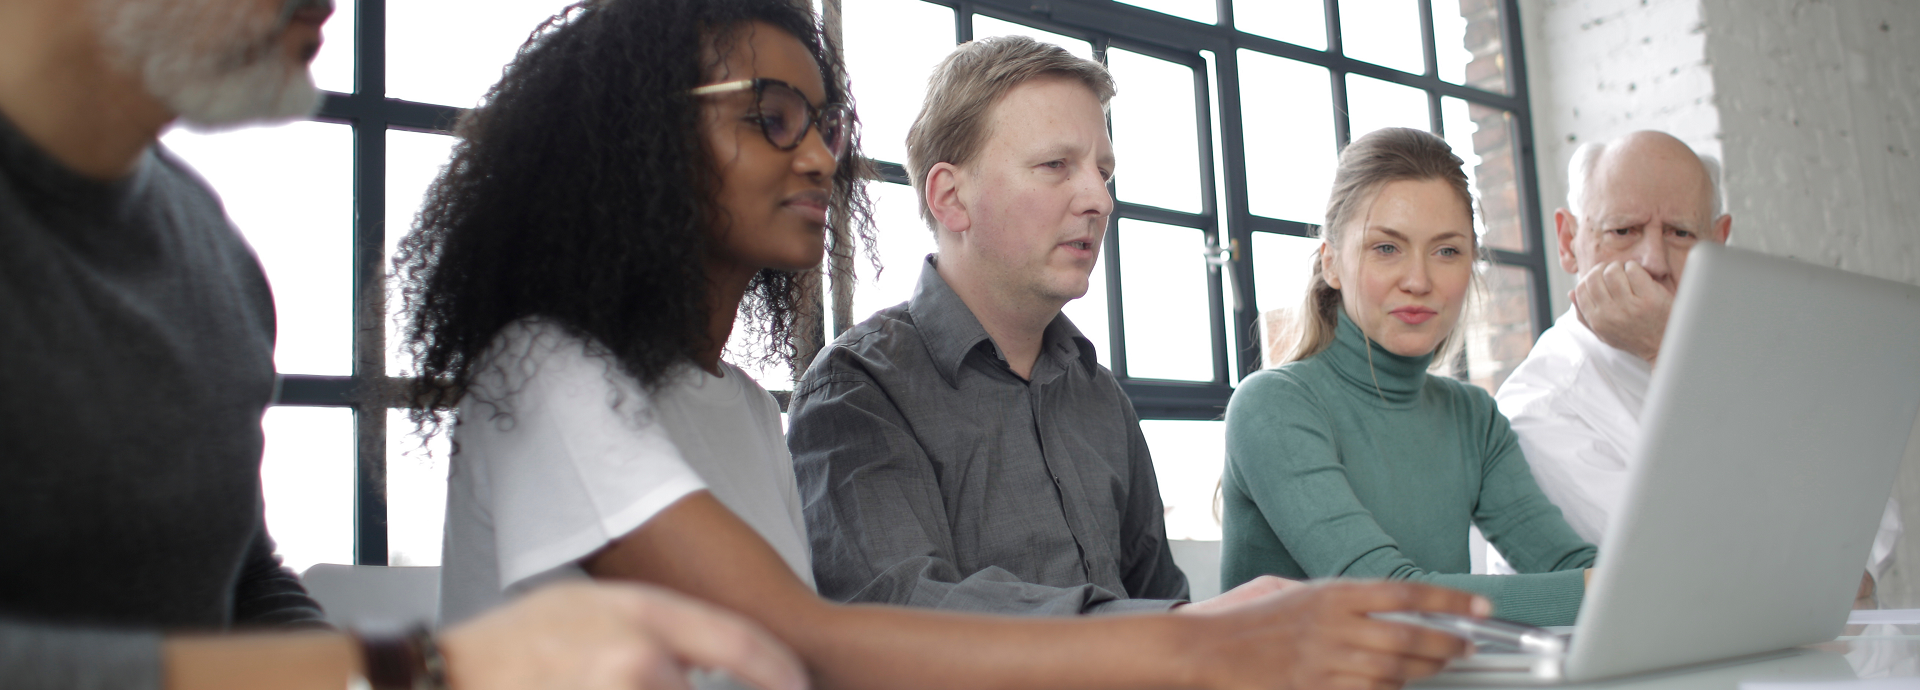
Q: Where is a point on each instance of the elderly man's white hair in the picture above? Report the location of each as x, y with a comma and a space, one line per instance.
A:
1580, 169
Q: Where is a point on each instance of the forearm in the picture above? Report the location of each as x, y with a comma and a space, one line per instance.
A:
863, 646
296, 661
699, 548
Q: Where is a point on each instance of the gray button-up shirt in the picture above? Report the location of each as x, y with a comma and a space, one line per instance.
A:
932, 475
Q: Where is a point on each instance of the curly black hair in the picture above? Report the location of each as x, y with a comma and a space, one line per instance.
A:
581, 191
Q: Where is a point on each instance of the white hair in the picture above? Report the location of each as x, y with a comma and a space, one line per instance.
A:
213, 66
1588, 155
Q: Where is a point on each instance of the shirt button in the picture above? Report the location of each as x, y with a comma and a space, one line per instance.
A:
1056, 480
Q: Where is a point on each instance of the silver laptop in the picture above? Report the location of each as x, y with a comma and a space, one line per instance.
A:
1783, 404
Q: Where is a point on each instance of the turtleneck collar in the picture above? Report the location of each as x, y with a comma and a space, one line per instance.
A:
1399, 378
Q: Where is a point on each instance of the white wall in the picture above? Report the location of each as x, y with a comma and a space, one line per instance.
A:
1821, 112
1813, 106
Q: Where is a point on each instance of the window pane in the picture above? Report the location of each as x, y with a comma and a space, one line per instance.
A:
1499, 326
1164, 273
1187, 459
413, 160
1467, 43
333, 66
1202, 11
1287, 111
306, 476
450, 51
743, 351
1089, 313
1282, 265
903, 242
416, 493
1155, 136
289, 189
892, 47
1300, 22
1373, 104
1383, 32
984, 26
1481, 136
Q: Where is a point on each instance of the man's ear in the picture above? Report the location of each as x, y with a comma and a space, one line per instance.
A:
1722, 227
1565, 225
1326, 266
943, 198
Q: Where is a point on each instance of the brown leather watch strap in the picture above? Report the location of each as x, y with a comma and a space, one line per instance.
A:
409, 661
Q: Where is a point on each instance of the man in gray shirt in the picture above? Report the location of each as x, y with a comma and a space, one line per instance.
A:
136, 358
965, 450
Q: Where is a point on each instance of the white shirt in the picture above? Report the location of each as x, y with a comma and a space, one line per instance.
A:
557, 454
1575, 403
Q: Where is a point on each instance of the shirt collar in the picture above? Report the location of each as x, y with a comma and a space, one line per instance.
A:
951, 331
1368, 365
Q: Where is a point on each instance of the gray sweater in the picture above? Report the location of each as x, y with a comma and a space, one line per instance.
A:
136, 357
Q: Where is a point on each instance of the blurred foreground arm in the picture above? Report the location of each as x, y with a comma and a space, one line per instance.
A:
1306, 636
573, 636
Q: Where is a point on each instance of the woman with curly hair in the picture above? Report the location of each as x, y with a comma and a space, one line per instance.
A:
648, 174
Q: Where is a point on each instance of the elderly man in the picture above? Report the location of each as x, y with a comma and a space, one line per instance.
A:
136, 357
1636, 207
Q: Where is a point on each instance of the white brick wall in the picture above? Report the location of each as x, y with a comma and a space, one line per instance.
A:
1814, 106
1820, 115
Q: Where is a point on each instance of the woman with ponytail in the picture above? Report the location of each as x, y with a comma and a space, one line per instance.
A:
1351, 460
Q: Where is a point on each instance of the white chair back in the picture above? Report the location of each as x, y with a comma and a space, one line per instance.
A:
1200, 560
374, 595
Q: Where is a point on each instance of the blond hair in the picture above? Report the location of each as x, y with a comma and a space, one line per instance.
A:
953, 121
1369, 163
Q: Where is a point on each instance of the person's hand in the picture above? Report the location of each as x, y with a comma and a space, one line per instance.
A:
586, 636
1249, 591
1319, 636
1625, 307
1865, 598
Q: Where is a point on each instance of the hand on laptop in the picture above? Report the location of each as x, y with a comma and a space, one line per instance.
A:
1866, 598
1319, 635
1625, 306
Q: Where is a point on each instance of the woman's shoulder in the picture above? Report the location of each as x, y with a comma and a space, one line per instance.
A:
1286, 387
535, 355
1464, 392
1472, 407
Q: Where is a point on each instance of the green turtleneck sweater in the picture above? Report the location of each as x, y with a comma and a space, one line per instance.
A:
1330, 474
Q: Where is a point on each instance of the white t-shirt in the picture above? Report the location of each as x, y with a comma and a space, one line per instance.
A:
557, 454
1575, 404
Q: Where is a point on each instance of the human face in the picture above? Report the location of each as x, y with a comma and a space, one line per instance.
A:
1034, 200
774, 202
1406, 265
1647, 202
219, 63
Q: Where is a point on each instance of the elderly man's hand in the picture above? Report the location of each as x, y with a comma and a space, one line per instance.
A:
1625, 307
582, 636
1319, 636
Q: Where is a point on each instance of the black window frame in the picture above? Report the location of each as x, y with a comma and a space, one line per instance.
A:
1106, 23
369, 391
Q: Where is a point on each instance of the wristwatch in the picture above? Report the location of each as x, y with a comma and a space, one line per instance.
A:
408, 661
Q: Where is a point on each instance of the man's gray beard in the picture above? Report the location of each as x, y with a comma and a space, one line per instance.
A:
241, 78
